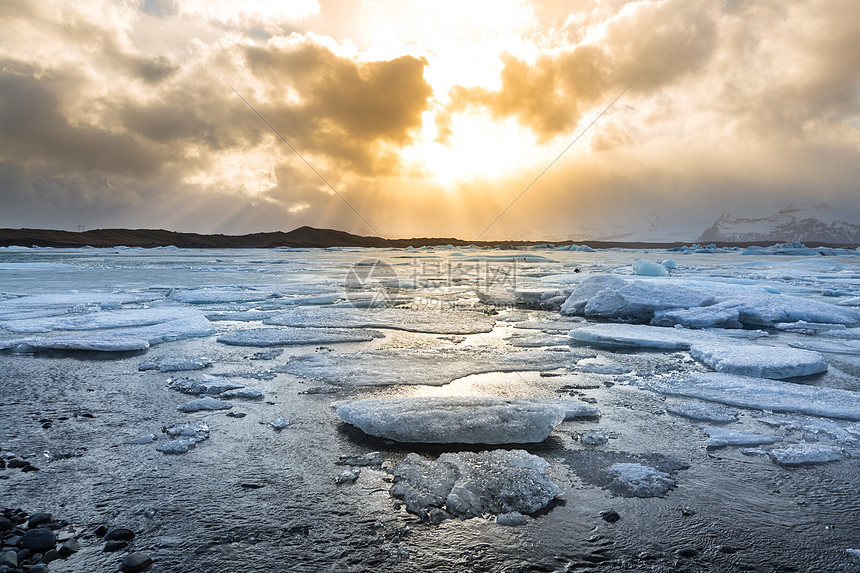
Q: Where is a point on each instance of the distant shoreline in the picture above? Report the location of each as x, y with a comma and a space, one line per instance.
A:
303, 237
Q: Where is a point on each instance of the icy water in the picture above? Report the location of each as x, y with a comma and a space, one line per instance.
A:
255, 498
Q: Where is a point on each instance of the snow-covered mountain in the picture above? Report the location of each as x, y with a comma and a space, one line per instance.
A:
818, 224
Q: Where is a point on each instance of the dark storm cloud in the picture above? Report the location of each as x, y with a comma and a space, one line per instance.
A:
650, 47
346, 109
33, 131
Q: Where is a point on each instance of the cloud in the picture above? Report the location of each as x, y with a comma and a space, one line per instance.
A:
344, 109
115, 113
650, 46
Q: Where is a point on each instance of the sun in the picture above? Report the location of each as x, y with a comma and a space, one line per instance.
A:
479, 148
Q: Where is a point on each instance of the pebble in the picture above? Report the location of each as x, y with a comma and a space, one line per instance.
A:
38, 519
39, 540
112, 546
69, 547
101, 530
50, 555
134, 562
688, 552
9, 559
39, 568
279, 423
119, 534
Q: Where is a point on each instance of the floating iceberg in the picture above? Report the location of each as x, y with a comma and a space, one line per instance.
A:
764, 394
454, 420
262, 337
430, 321
469, 484
647, 268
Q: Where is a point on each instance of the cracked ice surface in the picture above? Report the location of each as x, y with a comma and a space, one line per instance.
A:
429, 321
455, 420
763, 394
296, 336
470, 484
433, 368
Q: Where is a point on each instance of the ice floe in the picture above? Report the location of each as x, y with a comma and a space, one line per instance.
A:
243, 394
177, 364
600, 366
763, 394
262, 337
433, 368
209, 295
92, 343
206, 385
473, 484
720, 437
454, 420
703, 411
803, 454
632, 479
204, 404
430, 321
760, 361
185, 436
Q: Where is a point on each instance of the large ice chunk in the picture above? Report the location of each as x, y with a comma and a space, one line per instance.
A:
670, 301
430, 321
470, 484
455, 419
639, 300
263, 337
764, 394
758, 360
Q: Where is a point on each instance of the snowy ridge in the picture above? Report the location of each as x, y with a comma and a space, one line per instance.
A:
791, 224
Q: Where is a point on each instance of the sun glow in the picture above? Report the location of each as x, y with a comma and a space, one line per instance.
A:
479, 148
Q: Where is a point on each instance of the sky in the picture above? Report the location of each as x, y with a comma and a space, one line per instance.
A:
427, 118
